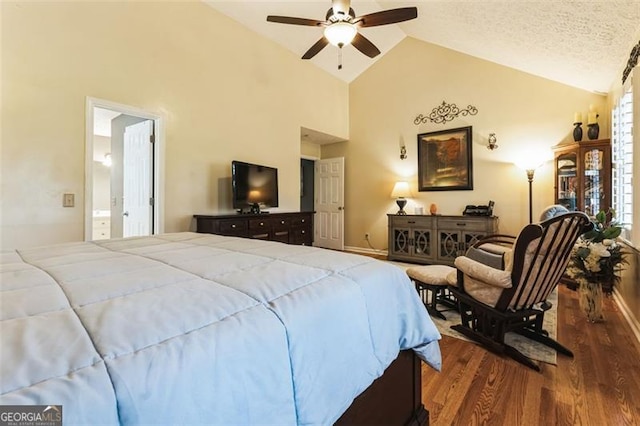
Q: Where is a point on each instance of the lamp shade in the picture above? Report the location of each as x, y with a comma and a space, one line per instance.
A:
340, 33
254, 196
401, 190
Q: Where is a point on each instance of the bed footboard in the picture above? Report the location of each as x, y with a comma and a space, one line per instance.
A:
395, 398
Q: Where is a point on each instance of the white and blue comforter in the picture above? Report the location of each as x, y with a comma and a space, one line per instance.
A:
194, 328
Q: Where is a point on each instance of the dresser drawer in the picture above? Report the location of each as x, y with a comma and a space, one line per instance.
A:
463, 224
301, 221
407, 221
282, 236
280, 224
260, 224
301, 236
232, 227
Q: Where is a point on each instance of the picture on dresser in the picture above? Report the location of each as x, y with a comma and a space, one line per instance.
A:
445, 160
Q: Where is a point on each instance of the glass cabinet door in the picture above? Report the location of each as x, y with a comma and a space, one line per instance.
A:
594, 190
567, 173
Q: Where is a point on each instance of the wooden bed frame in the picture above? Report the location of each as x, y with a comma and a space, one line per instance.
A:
395, 398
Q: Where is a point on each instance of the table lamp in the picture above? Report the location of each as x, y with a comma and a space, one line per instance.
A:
400, 191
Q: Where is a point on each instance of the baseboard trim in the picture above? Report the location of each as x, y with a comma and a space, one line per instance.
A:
628, 315
366, 251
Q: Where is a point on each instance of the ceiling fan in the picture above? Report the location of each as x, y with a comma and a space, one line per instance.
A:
341, 26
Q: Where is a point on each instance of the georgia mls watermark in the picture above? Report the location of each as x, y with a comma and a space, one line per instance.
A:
30, 415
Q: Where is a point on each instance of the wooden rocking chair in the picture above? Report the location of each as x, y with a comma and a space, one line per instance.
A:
513, 298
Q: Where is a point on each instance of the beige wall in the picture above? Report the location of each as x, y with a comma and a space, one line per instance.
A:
528, 114
310, 149
224, 92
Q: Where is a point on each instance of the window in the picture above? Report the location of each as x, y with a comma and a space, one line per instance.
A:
622, 161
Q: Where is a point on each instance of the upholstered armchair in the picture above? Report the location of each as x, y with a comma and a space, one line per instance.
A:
503, 283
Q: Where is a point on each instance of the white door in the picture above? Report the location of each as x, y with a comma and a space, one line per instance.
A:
137, 173
329, 204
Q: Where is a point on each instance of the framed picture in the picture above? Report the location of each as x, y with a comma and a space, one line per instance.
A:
445, 160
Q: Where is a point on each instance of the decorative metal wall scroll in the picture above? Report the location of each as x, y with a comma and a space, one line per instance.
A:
633, 61
445, 113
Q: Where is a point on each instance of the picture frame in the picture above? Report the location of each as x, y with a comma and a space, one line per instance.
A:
445, 160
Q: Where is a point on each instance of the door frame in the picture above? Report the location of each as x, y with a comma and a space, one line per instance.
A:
158, 159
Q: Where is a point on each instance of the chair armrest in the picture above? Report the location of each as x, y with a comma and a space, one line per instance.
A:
484, 273
496, 240
486, 255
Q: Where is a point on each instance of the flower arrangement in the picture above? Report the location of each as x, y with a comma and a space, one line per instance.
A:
596, 255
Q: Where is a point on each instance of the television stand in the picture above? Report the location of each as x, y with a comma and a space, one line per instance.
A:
290, 228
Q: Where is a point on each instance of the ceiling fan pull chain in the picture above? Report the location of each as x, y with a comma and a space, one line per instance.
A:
340, 58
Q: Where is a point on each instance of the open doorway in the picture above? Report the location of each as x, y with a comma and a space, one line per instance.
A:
307, 189
326, 178
123, 185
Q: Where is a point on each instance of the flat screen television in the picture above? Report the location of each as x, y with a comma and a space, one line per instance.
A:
255, 187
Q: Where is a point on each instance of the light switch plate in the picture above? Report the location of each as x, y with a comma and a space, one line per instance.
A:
68, 200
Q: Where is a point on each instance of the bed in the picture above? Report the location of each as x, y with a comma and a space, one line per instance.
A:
190, 328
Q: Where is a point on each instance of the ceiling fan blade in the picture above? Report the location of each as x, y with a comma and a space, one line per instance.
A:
294, 21
317, 47
363, 44
385, 17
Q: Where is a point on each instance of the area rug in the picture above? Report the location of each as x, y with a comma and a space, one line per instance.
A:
530, 348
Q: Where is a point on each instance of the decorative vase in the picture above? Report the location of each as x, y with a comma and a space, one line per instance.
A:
593, 131
433, 209
577, 132
591, 299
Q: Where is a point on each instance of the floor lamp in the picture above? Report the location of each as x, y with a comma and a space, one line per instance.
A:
529, 165
530, 179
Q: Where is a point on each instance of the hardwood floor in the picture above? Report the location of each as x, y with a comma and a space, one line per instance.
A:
599, 386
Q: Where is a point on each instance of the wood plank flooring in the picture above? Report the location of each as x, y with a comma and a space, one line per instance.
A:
599, 386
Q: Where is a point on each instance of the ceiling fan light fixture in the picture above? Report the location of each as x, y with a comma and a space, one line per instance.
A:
340, 33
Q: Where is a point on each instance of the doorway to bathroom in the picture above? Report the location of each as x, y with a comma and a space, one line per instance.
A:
123, 184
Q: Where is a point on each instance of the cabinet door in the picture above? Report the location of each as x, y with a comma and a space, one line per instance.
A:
422, 243
448, 243
567, 184
595, 181
400, 241
468, 239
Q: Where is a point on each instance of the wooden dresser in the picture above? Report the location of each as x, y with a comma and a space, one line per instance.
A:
290, 228
435, 239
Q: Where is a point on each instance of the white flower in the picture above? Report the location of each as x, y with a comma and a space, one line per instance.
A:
600, 250
581, 243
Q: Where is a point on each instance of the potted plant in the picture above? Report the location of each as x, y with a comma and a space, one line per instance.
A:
595, 258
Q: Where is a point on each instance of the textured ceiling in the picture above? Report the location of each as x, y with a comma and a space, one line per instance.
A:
584, 44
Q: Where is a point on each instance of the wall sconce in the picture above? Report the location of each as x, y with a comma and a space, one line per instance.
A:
403, 152
107, 161
492, 142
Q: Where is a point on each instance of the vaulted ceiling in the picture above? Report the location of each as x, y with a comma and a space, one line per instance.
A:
579, 43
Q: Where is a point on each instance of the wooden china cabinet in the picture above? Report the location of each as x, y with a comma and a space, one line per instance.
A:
583, 175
